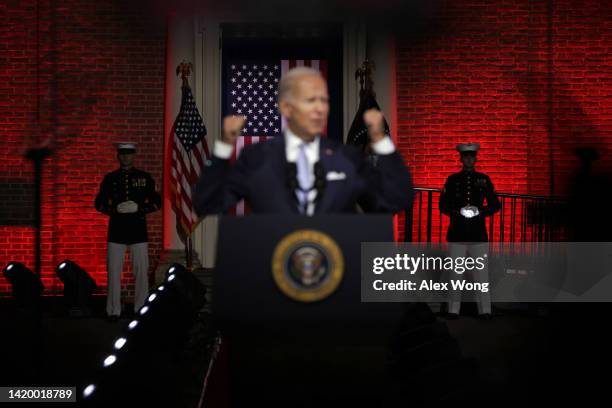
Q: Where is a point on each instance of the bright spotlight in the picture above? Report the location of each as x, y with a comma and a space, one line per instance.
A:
119, 343
152, 297
110, 360
175, 268
144, 310
133, 324
89, 390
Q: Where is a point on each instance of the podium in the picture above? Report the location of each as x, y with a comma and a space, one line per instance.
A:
247, 292
293, 324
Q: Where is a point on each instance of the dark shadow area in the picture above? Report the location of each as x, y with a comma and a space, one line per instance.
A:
590, 194
49, 348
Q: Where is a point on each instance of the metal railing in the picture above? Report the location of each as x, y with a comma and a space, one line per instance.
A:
522, 217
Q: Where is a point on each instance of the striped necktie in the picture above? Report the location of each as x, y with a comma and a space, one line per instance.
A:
304, 179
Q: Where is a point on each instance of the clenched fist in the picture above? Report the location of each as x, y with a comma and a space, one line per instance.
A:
375, 122
232, 127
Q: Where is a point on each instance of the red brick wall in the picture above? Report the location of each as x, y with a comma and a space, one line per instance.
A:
100, 77
528, 80
523, 78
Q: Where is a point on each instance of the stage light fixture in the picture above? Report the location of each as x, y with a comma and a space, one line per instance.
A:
163, 324
27, 286
79, 287
191, 292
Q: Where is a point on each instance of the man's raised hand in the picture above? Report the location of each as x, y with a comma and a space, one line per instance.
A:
232, 127
375, 122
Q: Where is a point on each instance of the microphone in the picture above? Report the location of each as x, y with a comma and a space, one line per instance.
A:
319, 182
291, 176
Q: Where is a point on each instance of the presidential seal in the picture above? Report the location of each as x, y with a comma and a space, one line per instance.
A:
307, 265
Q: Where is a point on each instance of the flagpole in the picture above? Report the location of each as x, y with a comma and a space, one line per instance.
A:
184, 69
188, 242
189, 254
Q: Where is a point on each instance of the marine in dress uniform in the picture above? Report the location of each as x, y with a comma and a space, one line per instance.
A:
463, 200
126, 196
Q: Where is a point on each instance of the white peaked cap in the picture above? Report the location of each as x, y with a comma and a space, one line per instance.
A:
126, 146
468, 147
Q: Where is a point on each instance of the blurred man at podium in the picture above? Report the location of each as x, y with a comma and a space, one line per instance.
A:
302, 172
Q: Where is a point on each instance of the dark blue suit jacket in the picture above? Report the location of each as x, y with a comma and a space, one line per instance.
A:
260, 175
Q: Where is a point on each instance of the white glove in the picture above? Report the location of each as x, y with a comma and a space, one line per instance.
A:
131, 207
121, 207
469, 211
127, 207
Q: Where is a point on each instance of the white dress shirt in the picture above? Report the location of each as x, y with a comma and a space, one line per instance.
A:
224, 150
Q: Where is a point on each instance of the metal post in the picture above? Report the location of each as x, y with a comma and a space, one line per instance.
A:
38, 155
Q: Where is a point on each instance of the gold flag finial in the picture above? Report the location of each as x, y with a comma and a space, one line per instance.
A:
184, 70
364, 74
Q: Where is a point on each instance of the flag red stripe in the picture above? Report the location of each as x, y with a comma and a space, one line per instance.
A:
198, 157
183, 174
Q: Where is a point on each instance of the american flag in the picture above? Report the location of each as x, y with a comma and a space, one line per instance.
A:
189, 153
251, 89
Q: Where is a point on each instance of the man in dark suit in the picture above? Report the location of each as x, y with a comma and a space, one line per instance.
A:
463, 200
302, 172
